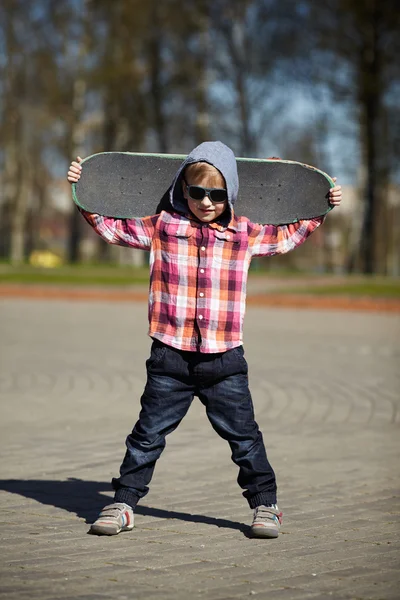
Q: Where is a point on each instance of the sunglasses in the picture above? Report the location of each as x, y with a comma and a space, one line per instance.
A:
216, 195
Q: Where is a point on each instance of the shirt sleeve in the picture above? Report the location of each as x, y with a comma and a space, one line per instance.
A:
134, 233
267, 240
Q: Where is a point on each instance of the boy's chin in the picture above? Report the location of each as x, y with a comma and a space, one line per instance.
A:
206, 217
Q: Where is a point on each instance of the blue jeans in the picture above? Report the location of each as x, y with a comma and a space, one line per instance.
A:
220, 381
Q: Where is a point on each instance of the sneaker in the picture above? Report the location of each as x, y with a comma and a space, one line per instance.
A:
266, 522
113, 519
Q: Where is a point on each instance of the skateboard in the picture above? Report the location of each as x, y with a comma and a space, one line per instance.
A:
271, 191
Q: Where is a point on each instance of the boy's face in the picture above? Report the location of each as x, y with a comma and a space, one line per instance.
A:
205, 209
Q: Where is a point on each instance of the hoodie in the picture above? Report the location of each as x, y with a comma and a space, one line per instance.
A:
222, 158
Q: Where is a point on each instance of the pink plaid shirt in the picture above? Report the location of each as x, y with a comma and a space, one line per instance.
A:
198, 272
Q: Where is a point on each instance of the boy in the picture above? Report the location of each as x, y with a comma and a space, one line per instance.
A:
199, 258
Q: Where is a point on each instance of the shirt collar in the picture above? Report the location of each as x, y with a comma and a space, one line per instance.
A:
232, 225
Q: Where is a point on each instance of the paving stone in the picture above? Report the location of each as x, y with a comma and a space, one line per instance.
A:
326, 393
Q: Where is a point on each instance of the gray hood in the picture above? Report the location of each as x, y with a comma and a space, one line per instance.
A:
222, 158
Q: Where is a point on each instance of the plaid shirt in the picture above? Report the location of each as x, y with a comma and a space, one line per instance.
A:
198, 272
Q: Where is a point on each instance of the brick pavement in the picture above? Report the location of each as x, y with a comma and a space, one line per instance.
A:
326, 392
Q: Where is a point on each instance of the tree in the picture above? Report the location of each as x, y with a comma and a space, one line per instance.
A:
36, 72
356, 49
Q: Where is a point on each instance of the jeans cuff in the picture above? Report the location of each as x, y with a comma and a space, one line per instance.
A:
265, 498
126, 496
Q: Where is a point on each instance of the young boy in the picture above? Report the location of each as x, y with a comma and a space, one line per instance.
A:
200, 253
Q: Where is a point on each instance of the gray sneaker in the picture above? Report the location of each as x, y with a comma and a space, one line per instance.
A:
113, 519
267, 521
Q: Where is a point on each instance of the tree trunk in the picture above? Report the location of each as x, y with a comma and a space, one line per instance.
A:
202, 124
77, 139
370, 97
17, 175
156, 67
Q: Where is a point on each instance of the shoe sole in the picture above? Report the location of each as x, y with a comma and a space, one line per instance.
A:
264, 532
104, 530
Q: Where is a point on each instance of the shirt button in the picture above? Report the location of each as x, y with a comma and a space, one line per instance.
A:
203, 248
200, 317
228, 237
201, 270
201, 294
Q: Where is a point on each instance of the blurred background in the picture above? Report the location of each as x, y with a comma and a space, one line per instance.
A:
316, 82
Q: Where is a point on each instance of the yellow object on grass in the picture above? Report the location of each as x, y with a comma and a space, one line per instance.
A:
45, 259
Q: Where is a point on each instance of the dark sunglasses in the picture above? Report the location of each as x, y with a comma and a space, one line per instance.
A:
216, 195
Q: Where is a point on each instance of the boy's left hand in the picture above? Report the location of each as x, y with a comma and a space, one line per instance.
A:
335, 194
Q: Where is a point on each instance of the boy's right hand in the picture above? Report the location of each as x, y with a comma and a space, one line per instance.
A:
75, 170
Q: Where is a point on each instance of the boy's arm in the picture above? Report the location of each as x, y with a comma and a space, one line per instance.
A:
267, 240
136, 233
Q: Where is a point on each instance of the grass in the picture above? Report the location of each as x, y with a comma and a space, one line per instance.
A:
371, 289
80, 275
116, 275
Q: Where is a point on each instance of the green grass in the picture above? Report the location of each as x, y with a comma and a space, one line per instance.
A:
116, 275
80, 275
370, 289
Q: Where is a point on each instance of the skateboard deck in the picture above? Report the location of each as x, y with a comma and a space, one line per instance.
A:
271, 191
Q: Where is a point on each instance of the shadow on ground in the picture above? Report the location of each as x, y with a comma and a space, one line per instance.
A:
86, 499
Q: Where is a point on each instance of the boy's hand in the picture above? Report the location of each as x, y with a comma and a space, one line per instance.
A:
75, 170
335, 194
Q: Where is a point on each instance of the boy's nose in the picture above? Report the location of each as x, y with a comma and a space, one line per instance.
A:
206, 202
